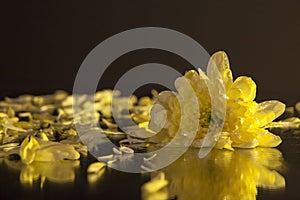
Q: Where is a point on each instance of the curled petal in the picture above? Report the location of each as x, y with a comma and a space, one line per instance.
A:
28, 149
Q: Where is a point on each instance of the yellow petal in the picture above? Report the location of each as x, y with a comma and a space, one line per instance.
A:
242, 88
56, 152
28, 149
267, 111
264, 117
272, 106
268, 139
220, 59
224, 142
246, 138
247, 145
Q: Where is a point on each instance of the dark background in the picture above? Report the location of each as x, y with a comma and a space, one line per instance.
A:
44, 43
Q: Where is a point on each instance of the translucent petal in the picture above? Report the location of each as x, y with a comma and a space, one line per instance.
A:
268, 139
220, 59
264, 117
55, 152
273, 105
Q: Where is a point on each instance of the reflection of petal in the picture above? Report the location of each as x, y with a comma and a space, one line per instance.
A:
28, 175
225, 174
59, 172
270, 179
95, 177
95, 172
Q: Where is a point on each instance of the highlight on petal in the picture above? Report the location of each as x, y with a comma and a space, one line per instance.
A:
246, 138
242, 88
268, 139
267, 111
157, 122
220, 59
224, 141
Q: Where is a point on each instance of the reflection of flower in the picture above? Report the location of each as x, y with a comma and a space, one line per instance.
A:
225, 174
245, 120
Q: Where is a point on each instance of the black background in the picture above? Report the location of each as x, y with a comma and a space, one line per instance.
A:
43, 43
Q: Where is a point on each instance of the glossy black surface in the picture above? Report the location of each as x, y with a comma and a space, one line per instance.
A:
213, 177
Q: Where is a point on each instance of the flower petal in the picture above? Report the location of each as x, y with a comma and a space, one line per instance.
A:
246, 138
268, 111
242, 88
55, 152
220, 59
268, 139
28, 149
224, 142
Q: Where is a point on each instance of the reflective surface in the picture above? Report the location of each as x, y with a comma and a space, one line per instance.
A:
226, 174
261, 173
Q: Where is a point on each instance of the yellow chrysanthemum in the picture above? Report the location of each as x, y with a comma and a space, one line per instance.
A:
245, 120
